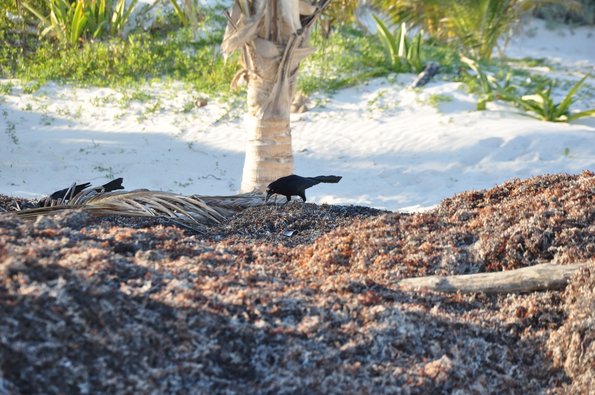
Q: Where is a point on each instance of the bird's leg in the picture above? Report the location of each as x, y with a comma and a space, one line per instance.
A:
288, 199
303, 196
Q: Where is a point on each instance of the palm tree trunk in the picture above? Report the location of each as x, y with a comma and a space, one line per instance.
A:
273, 38
268, 154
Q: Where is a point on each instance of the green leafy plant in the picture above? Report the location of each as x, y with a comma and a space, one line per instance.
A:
541, 105
341, 12
124, 63
581, 13
348, 57
437, 98
473, 26
425, 13
188, 12
120, 15
69, 21
479, 24
66, 20
6, 88
97, 17
403, 53
489, 87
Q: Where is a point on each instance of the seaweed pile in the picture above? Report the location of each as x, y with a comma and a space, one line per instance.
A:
300, 299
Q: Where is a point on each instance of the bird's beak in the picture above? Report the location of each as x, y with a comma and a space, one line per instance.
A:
269, 194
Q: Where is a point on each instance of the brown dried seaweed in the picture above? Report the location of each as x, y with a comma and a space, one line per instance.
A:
123, 305
573, 344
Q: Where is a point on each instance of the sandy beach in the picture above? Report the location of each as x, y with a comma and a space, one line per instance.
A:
396, 148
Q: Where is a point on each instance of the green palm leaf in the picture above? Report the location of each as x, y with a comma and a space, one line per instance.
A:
564, 105
79, 19
582, 114
35, 12
389, 39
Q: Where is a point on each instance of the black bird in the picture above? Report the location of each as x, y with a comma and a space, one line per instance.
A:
111, 186
61, 194
294, 185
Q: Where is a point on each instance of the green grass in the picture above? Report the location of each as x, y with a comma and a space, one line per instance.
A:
6, 88
533, 93
170, 52
541, 104
347, 58
437, 98
528, 62
117, 63
135, 95
10, 128
350, 57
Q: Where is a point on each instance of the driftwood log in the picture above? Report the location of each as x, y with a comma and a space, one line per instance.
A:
541, 277
425, 76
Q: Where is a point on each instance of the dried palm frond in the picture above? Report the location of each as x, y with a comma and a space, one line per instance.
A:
227, 206
189, 211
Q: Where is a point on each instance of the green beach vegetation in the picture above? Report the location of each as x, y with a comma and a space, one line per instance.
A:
122, 44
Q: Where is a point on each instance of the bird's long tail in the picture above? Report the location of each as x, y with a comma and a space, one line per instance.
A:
328, 179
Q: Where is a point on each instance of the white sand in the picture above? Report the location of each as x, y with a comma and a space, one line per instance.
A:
393, 149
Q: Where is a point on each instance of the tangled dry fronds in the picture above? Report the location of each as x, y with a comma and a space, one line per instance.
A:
190, 211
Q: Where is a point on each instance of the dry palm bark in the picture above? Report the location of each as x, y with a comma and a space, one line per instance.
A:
273, 37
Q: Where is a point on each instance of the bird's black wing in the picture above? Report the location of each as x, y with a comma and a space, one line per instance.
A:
307, 182
61, 194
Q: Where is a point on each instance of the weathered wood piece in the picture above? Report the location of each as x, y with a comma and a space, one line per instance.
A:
541, 277
424, 77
